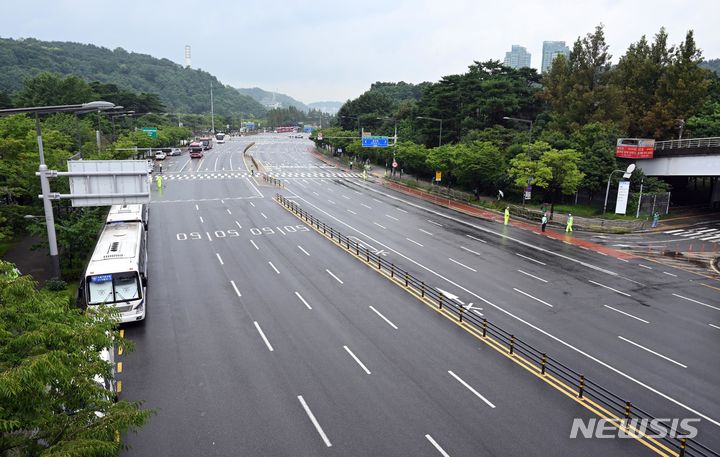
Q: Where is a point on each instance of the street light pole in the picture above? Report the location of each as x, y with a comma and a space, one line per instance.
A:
527, 121
43, 169
627, 172
47, 205
436, 120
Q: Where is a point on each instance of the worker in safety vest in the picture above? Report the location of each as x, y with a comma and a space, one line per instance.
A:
568, 228
507, 215
158, 182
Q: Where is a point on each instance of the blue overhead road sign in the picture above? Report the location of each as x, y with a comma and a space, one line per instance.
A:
375, 142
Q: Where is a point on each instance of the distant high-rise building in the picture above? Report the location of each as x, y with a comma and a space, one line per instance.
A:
552, 49
187, 55
518, 57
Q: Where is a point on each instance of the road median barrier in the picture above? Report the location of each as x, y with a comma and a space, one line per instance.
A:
618, 411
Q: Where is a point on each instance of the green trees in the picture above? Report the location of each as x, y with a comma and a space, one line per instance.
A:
50, 401
578, 90
556, 171
178, 88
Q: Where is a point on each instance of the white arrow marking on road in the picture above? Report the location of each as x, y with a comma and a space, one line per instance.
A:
450, 296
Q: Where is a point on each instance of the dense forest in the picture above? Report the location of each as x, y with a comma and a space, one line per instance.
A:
495, 127
180, 89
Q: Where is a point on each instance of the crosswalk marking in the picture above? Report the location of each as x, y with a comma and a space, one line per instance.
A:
237, 175
699, 233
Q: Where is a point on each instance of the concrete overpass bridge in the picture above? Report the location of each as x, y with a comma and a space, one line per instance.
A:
688, 163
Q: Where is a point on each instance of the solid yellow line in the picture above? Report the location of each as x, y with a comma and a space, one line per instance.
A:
120, 350
118, 386
712, 287
122, 333
561, 386
119, 367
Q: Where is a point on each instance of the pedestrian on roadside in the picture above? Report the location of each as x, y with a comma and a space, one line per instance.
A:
158, 182
507, 215
656, 219
543, 222
568, 228
160, 167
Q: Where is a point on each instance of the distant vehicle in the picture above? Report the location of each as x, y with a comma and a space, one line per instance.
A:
285, 129
196, 150
220, 137
174, 152
117, 273
159, 155
207, 143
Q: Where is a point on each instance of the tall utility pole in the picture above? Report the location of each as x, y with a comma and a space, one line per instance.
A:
436, 120
43, 171
212, 110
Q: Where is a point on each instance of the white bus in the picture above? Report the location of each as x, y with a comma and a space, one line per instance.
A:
128, 213
220, 137
117, 273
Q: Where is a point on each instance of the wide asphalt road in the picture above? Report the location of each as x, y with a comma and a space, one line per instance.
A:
263, 338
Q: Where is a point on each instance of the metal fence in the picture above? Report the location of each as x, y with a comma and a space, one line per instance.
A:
654, 203
533, 359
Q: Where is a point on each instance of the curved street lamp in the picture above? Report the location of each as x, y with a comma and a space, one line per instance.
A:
626, 174
43, 170
436, 120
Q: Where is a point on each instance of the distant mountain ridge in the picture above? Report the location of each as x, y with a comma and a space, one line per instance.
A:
326, 107
277, 100
180, 89
273, 99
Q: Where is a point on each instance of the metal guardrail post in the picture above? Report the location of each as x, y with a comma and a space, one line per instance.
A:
683, 444
617, 401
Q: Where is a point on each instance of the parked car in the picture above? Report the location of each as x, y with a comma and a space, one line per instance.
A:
159, 155
174, 152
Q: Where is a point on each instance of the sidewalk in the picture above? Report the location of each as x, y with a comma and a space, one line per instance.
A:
483, 213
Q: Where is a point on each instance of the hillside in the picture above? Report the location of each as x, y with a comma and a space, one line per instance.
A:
712, 64
180, 89
326, 107
268, 99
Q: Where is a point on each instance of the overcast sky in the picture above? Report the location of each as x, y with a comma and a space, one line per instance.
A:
333, 50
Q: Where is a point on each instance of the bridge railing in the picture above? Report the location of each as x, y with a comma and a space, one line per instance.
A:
688, 143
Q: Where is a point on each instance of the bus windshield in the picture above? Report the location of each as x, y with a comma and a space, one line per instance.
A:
112, 288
